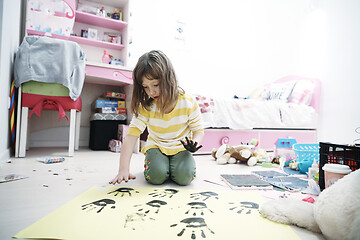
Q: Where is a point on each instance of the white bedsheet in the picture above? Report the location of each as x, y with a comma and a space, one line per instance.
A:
240, 114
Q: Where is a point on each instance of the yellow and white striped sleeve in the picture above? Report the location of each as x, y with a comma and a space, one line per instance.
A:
138, 124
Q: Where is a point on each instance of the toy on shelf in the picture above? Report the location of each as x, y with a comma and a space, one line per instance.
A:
101, 12
115, 61
284, 151
254, 142
84, 33
112, 37
116, 14
106, 58
92, 33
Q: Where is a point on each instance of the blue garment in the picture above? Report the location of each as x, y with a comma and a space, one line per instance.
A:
51, 60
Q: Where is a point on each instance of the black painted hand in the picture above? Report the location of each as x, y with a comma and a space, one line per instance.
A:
190, 145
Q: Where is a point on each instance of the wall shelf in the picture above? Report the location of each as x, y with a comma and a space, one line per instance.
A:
40, 33
96, 43
99, 21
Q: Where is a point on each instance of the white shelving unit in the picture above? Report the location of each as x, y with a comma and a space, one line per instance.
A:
96, 71
61, 18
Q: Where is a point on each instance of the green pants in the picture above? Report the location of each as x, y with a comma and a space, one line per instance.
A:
159, 167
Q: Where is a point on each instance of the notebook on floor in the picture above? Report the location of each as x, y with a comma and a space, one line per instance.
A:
245, 182
288, 183
270, 174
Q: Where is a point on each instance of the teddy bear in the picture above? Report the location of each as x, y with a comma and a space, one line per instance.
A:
229, 154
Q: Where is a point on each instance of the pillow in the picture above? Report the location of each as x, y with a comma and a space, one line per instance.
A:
256, 93
205, 104
278, 91
302, 92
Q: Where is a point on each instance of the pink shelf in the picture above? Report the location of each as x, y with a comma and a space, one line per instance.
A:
39, 33
99, 21
108, 76
96, 43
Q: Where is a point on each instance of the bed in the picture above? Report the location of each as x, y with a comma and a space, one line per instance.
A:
286, 108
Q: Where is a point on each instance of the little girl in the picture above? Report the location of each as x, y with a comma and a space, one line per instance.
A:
170, 116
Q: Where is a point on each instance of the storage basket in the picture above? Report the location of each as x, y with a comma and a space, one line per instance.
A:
306, 151
340, 154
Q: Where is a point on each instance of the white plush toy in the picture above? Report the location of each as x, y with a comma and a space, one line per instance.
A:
336, 212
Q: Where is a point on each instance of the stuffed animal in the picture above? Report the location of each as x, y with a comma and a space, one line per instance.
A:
228, 154
336, 212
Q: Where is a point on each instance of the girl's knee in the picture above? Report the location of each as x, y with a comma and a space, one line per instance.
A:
183, 177
183, 174
156, 167
156, 176
183, 168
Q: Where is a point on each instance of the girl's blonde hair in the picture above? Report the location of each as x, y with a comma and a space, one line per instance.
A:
154, 65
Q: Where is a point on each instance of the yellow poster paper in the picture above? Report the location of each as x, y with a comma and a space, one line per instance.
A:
118, 212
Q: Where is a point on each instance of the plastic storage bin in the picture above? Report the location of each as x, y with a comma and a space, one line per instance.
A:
339, 154
306, 151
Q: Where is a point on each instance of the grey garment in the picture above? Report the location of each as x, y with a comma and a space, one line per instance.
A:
159, 167
45, 59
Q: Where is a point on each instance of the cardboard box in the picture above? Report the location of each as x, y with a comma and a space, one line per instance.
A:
115, 95
115, 145
100, 103
111, 110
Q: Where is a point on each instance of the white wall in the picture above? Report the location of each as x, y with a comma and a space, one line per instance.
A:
10, 17
341, 74
236, 44
233, 47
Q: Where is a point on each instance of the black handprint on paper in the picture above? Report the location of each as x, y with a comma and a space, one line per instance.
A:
204, 195
245, 206
168, 192
197, 207
100, 203
132, 219
151, 206
123, 191
142, 214
195, 225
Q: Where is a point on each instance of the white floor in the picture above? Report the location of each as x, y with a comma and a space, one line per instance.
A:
49, 186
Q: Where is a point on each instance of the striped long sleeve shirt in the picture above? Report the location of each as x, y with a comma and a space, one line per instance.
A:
166, 131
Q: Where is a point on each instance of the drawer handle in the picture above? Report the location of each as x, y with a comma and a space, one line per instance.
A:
118, 73
224, 140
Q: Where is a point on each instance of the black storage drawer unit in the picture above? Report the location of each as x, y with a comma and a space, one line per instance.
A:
102, 131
